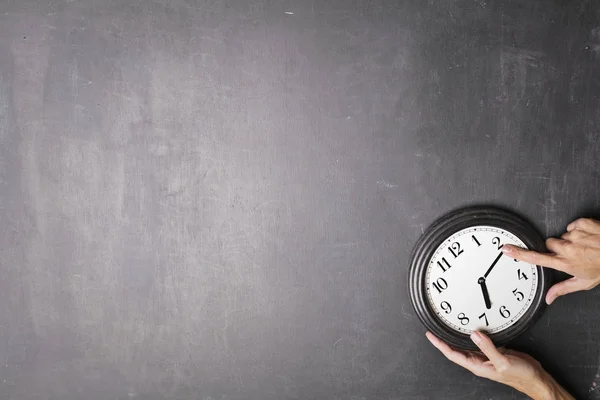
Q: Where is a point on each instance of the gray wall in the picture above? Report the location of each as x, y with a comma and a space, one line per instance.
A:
217, 200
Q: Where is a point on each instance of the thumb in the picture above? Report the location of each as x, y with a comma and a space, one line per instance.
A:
487, 347
565, 287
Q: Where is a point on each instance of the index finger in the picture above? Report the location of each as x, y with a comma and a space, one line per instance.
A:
533, 257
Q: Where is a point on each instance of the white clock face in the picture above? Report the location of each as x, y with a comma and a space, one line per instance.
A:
472, 285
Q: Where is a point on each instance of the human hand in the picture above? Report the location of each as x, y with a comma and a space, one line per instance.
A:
577, 253
517, 370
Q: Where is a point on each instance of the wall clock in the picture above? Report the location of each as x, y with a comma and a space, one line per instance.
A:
460, 280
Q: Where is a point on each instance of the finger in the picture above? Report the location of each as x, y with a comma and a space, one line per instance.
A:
574, 235
533, 257
455, 356
565, 287
592, 241
555, 245
585, 224
488, 348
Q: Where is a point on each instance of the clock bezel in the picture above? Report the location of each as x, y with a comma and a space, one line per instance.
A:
440, 231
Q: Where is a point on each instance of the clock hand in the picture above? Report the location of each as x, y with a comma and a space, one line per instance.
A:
484, 290
492, 266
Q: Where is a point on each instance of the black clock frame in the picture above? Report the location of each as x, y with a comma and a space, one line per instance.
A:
443, 228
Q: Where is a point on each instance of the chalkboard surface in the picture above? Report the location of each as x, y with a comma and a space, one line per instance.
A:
217, 200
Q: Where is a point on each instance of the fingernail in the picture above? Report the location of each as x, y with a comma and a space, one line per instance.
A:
550, 300
476, 337
506, 250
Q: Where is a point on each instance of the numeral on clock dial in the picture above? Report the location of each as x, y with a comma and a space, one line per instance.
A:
496, 241
444, 305
519, 295
521, 275
469, 283
440, 285
464, 320
444, 265
485, 319
455, 249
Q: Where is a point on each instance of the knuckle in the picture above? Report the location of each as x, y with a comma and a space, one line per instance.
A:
553, 243
502, 367
564, 247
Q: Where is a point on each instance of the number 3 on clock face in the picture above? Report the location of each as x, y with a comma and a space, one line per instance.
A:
471, 285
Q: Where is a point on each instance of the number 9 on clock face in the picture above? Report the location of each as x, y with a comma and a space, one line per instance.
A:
472, 285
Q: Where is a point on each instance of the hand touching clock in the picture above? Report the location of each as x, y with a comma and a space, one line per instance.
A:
577, 253
511, 368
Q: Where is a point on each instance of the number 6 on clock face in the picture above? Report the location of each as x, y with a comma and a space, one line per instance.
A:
461, 281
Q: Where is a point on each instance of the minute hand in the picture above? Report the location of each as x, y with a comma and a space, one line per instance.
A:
493, 265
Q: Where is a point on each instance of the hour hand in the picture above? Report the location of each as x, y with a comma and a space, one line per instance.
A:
484, 290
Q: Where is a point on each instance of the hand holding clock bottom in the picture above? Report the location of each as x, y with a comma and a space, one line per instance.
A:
512, 368
577, 253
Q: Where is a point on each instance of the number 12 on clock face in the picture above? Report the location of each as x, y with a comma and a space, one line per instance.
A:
471, 285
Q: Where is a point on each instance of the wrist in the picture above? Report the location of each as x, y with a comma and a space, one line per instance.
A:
546, 388
542, 390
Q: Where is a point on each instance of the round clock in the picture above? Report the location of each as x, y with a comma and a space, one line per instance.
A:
460, 281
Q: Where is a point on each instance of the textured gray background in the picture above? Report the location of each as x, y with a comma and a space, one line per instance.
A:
216, 200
